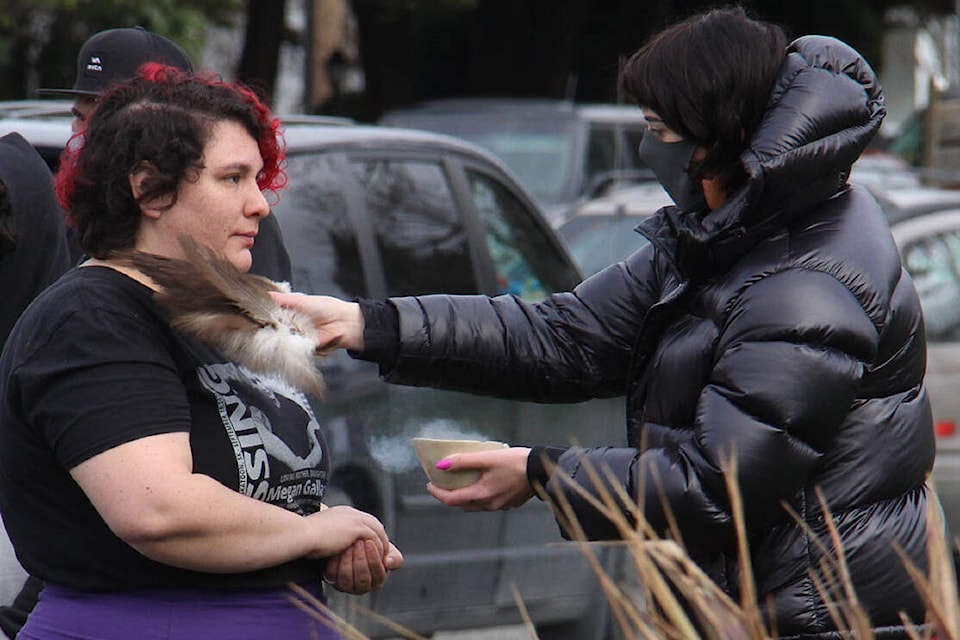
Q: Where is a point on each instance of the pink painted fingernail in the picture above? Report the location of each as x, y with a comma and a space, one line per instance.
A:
443, 465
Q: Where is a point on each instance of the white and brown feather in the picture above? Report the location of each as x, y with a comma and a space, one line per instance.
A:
231, 311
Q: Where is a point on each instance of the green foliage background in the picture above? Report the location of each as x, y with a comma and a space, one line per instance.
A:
39, 39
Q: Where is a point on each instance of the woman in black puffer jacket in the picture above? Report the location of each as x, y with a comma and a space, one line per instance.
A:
769, 317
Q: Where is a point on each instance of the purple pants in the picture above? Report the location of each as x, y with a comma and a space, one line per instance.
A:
172, 614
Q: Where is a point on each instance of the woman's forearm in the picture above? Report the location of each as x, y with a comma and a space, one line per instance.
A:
147, 494
219, 530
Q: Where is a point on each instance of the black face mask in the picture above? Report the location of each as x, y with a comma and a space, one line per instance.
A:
670, 162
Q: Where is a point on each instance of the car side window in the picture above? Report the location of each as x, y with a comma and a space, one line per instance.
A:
934, 264
601, 152
317, 230
631, 148
525, 263
420, 234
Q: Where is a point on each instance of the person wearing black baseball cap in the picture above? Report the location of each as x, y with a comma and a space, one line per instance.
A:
114, 55
111, 56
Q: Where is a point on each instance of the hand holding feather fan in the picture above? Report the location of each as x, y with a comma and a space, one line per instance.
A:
208, 298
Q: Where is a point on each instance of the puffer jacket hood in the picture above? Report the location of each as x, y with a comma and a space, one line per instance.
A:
825, 108
776, 338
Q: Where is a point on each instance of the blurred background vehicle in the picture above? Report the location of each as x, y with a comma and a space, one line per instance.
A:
601, 231
375, 212
35, 108
902, 202
564, 153
884, 171
929, 242
372, 212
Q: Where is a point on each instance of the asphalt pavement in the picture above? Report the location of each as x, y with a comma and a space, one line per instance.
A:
512, 632
517, 632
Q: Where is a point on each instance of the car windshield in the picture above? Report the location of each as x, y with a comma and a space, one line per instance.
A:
596, 241
540, 151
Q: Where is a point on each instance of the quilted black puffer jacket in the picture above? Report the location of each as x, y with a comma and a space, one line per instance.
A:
780, 327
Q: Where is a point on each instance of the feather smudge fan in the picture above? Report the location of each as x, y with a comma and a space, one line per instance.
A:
231, 311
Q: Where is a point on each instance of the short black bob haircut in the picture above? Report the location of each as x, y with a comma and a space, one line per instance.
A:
710, 78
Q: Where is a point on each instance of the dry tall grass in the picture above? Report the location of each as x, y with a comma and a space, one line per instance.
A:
676, 600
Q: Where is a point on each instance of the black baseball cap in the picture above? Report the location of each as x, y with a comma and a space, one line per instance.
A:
116, 54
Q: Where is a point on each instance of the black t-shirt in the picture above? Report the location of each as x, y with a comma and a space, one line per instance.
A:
93, 364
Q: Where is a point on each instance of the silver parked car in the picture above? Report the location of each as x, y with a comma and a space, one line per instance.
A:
601, 231
930, 245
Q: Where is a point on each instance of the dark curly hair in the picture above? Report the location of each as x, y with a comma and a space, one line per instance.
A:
710, 79
163, 118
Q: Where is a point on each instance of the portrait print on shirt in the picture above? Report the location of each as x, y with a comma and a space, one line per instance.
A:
274, 436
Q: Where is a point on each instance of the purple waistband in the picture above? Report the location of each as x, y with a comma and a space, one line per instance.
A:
63, 613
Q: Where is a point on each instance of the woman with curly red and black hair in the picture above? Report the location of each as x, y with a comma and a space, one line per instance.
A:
157, 487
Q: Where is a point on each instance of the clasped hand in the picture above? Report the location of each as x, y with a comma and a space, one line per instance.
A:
366, 561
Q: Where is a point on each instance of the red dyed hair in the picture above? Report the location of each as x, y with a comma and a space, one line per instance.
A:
162, 118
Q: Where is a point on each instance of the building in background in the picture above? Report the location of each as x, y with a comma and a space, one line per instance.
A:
921, 61
319, 61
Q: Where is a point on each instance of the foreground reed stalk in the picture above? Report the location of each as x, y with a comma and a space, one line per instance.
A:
678, 601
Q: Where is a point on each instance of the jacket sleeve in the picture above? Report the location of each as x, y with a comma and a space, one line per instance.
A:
788, 365
573, 346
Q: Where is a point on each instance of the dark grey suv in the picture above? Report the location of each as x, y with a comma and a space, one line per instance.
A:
375, 211
563, 152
